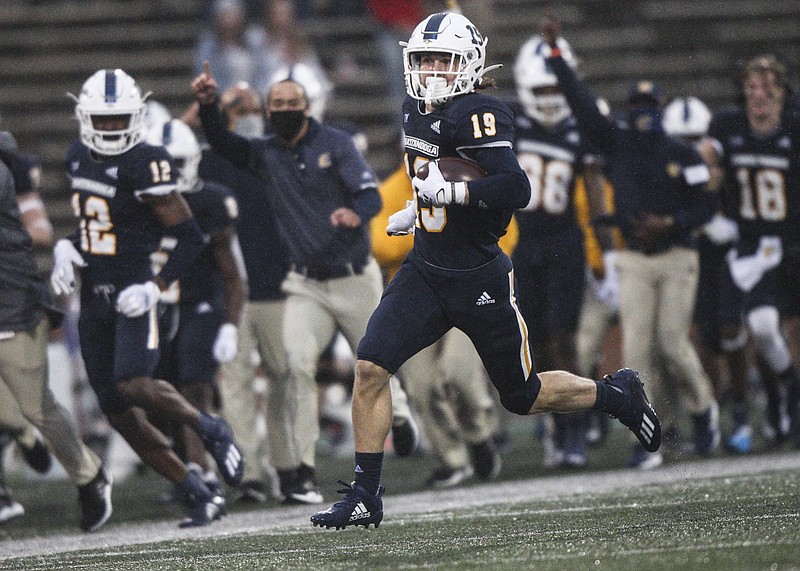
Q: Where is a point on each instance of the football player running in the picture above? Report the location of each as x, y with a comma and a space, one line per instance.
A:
125, 196
456, 275
754, 145
200, 319
549, 260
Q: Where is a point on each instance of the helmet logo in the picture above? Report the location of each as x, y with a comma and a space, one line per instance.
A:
166, 136
431, 31
111, 86
477, 38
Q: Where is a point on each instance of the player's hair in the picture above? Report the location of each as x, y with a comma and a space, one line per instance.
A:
293, 81
765, 63
486, 83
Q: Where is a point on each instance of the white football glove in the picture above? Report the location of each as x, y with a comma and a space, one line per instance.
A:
65, 257
138, 299
227, 343
721, 230
608, 290
437, 191
402, 222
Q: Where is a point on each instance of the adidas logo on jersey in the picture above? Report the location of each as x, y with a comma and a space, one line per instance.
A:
360, 512
484, 299
436, 126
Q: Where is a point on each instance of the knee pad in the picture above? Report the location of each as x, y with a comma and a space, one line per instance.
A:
516, 405
764, 324
520, 400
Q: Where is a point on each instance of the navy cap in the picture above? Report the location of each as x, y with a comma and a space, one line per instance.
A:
644, 91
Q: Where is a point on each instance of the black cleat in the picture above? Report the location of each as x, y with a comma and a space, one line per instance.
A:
485, 459
203, 511
251, 492
303, 489
9, 507
358, 507
447, 477
638, 414
226, 453
95, 500
38, 457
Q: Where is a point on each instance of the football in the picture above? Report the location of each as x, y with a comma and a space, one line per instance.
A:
454, 169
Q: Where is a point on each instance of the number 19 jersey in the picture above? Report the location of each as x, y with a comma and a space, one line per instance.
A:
457, 237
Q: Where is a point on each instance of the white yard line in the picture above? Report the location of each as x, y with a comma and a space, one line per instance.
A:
414, 507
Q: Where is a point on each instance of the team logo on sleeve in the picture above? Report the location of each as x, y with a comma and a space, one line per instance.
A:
324, 161
673, 170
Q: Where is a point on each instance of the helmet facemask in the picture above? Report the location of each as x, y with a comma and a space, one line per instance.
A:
438, 86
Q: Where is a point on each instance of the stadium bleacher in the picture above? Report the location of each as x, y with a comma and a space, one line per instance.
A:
49, 47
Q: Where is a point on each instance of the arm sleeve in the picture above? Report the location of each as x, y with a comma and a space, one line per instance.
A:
359, 178
231, 146
20, 170
597, 128
702, 202
505, 187
190, 243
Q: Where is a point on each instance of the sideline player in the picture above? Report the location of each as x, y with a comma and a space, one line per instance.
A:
756, 147
202, 310
125, 197
549, 262
456, 262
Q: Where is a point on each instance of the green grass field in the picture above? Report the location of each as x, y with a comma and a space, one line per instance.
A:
728, 513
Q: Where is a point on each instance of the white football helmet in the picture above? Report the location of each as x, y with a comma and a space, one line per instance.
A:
445, 32
686, 117
111, 92
180, 142
315, 83
155, 114
531, 73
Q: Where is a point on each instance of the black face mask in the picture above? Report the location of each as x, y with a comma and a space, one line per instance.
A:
287, 123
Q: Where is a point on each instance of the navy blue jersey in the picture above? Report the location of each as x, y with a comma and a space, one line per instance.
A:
457, 237
762, 174
215, 209
265, 256
118, 231
552, 158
